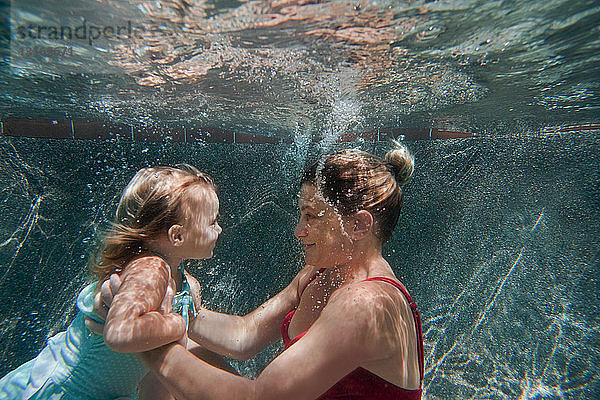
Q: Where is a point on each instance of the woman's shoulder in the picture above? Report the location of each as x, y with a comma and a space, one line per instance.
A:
364, 294
369, 312
374, 301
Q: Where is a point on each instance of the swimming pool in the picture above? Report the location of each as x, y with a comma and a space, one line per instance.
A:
498, 238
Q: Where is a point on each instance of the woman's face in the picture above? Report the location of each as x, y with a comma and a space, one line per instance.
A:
323, 232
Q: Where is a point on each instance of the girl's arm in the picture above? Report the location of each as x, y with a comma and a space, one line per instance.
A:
243, 337
353, 329
132, 325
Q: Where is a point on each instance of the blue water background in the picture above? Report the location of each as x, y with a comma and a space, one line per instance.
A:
497, 242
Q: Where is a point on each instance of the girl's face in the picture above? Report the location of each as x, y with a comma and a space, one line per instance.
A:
324, 233
200, 223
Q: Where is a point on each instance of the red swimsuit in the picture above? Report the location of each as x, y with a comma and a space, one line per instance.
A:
362, 384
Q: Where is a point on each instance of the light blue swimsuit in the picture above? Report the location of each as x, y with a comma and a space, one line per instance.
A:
77, 364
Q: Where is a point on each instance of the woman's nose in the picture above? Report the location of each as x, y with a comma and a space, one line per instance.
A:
300, 230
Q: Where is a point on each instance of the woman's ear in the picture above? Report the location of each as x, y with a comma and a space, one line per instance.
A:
363, 224
175, 234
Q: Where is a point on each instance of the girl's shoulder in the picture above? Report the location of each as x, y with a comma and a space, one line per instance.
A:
149, 260
147, 264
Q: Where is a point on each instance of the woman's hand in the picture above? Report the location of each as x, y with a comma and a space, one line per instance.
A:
196, 291
102, 301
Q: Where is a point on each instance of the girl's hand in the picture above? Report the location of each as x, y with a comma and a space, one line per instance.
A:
103, 299
107, 292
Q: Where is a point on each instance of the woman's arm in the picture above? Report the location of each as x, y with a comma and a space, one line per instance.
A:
346, 335
132, 325
243, 337
201, 352
151, 388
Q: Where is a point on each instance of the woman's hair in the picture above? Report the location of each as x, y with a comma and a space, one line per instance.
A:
353, 180
149, 206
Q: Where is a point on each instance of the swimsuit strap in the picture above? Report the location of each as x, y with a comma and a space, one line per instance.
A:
183, 303
416, 316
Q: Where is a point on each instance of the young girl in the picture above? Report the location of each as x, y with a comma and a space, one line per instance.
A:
165, 215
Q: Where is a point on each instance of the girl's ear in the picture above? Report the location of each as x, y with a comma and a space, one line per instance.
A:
175, 234
363, 224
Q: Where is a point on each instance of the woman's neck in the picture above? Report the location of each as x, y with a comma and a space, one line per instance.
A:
366, 261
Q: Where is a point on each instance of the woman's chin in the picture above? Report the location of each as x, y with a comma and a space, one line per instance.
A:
314, 261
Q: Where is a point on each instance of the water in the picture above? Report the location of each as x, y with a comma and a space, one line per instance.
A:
489, 67
497, 242
498, 238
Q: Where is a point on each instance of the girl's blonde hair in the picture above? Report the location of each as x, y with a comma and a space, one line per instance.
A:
149, 206
353, 180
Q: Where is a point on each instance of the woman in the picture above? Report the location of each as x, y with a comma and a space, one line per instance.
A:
349, 327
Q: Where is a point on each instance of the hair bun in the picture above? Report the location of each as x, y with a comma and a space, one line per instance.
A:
401, 162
